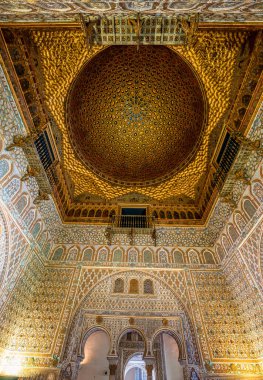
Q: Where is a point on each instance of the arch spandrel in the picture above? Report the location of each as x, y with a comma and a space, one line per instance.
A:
95, 303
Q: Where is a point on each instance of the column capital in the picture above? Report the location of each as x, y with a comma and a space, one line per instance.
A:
113, 359
149, 360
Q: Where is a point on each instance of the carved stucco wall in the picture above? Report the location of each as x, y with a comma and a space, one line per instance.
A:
241, 250
41, 297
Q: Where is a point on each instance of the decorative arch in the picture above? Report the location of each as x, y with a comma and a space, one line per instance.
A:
239, 221
129, 358
209, 257
58, 253
220, 252
117, 255
22, 203
193, 257
123, 272
119, 285
77, 319
133, 255
5, 168
134, 286
12, 188
132, 329
147, 256
89, 332
36, 229
4, 246
249, 207
163, 256
257, 190
73, 253
88, 254
173, 333
103, 254
148, 286
232, 232
30, 217
178, 256
226, 243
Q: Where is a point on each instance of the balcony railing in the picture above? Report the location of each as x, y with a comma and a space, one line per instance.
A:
131, 225
132, 221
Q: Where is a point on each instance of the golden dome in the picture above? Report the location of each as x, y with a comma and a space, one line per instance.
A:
136, 117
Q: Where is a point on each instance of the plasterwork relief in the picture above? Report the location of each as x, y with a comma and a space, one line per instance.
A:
50, 11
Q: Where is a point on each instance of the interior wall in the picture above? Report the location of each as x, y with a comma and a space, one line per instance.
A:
174, 370
95, 363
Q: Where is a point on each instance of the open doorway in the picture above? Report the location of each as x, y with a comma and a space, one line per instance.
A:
166, 352
95, 365
135, 368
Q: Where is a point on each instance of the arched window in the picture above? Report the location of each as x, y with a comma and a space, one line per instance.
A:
209, 258
21, 204
103, 255
105, 213
233, 233
119, 285
87, 254
36, 229
58, 254
240, 221
77, 212
4, 168
84, 213
176, 215
148, 287
147, 256
183, 215
169, 215
117, 255
178, 257
190, 215
249, 208
163, 257
193, 257
132, 256
257, 190
98, 213
221, 252
134, 286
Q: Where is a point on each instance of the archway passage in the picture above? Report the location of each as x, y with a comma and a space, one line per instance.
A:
131, 348
95, 365
166, 352
135, 368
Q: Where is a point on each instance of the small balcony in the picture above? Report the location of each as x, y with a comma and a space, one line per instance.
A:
132, 221
131, 225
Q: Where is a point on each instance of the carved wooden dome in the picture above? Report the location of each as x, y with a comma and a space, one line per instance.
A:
136, 117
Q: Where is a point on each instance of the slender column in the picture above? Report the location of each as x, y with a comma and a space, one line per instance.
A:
113, 361
113, 368
149, 370
149, 365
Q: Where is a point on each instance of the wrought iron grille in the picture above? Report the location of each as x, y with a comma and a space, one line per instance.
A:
132, 221
225, 160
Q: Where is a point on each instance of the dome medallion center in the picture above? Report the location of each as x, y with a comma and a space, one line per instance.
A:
136, 117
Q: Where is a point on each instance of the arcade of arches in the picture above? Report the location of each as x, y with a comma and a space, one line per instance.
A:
166, 123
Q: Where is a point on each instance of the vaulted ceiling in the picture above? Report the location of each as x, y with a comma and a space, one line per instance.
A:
138, 123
